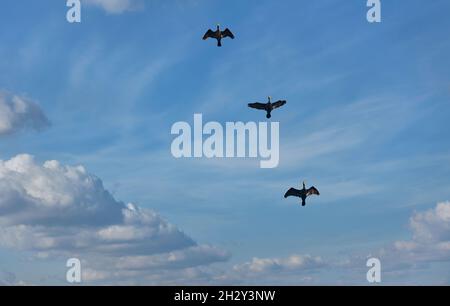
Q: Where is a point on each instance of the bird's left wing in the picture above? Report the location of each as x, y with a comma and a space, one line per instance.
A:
312, 191
279, 104
257, 105
292, 193
227, 33
208, 34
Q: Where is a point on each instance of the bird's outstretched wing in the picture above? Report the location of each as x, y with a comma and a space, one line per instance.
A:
278, 104
227, 33
312, 191
292, 193
257, 105
208, 34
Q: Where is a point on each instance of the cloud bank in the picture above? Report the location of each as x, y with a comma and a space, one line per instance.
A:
19, 113
292, 263
57, 211
292, 270
64, 211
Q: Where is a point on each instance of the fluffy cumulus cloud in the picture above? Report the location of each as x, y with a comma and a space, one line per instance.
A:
114, 6
295, 269
292, 263
57, 210
431, 235
19, 113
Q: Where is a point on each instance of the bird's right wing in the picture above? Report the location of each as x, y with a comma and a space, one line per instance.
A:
227, 33
208, 34
279, 104
257, 105
312, 191
292, 193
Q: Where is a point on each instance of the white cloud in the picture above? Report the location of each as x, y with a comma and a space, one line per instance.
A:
415, 261
431, 235
401, 260
56, 210
433, 225
188, 265
114, 6
293, 270
18, 113
189, 257
271, 265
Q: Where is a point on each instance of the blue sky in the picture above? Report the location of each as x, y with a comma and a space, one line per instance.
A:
366, 123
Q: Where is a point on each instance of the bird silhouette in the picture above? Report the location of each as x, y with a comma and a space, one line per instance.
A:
218, 34
268, 107
302, 194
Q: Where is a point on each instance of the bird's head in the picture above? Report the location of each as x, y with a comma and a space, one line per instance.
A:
270, 98
218, 25
304, 184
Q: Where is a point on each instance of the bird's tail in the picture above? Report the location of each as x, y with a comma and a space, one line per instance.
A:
303, 203
269, 115
219, 43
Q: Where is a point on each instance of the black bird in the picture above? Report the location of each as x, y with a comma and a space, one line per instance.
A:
218, 34
268, 107
302, 194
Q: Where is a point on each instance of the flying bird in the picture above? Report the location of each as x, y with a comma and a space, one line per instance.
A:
268, 107
302, 194
218, 34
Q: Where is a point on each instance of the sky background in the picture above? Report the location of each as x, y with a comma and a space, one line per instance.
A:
366, 123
